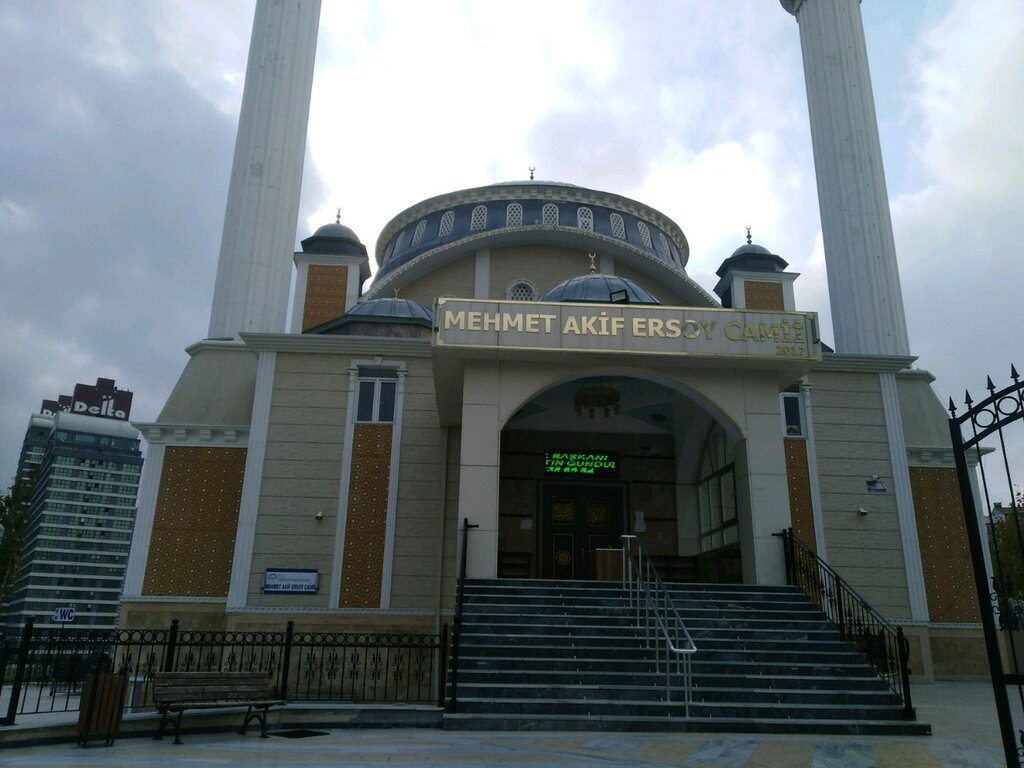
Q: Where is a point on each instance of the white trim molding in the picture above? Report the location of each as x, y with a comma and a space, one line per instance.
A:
392, 513
248, 507
904, 498
149, 491
204, 435
812, 470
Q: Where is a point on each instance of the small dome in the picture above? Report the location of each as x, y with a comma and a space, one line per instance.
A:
337, 230
380, 317
752, 257
334, 238
751, 248
391, 310
604, 289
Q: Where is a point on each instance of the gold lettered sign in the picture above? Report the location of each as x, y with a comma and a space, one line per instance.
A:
626, 328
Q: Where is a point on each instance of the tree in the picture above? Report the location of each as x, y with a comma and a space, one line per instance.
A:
14, 504
1006, 544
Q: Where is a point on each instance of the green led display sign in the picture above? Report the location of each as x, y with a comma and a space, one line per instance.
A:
576, 464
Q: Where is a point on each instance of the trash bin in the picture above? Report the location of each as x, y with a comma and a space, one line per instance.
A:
102, 707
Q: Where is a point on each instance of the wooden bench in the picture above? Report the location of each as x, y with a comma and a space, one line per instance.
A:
174, 692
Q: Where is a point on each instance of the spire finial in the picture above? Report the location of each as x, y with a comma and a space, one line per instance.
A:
749, 239
593, 265
532, 169
337, 218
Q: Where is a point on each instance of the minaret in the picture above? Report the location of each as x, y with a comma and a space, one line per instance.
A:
860, 253
254, 271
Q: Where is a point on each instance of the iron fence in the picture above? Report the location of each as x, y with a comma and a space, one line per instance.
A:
986, 438
882, 643
43, 671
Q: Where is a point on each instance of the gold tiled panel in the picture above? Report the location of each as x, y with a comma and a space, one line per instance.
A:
763, 295
798, 475
326, 289
367, 516
194, 526
948, 577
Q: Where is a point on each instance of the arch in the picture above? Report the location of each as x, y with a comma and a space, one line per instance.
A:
521, 289
447, 222
556, 377
478, 219
549, 215
417, 234
618, 226
585, 218
514, 215
645, 234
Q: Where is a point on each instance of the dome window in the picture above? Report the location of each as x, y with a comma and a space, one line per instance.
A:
478, 220
514, 215
400, 243
585, 219
447, 222
664, 244
417, 235
645, 234
618, 226
549, 215
521, 290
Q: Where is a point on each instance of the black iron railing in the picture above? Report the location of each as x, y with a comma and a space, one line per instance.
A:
453, 698
43, 670
881, 642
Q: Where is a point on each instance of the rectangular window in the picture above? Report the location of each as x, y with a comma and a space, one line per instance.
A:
792, 414
376, 395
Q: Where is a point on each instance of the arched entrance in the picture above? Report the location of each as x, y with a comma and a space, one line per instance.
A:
592, 458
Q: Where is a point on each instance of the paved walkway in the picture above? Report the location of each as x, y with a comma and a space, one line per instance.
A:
965, 735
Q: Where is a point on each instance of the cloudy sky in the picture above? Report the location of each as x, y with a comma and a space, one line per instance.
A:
117, 123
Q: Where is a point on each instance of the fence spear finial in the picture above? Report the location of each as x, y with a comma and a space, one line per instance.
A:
1013, 372
952, 408
967, 398
989, 385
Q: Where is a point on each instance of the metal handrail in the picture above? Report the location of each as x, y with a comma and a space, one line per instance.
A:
453, 701
882, 642
656, 612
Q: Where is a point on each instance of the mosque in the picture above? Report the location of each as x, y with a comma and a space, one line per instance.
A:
533, 357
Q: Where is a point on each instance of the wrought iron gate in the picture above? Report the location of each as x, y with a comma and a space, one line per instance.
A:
988, 439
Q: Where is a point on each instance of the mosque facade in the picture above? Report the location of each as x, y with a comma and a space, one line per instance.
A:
532, 357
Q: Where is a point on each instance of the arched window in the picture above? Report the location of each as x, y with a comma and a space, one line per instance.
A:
549, 215
618, 227
585, 219
417, 235
400, 243
521, 289
478, 219
645, 234
514, 215
447, 222
664, 244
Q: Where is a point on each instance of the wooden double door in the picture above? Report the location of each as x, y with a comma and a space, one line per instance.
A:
578, 519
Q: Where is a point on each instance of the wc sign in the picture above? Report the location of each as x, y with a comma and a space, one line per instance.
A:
63, 615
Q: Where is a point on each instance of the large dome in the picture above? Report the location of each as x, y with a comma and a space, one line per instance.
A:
604, 289
447, 227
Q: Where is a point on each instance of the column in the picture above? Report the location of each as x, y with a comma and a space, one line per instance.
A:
254, 270
860, 253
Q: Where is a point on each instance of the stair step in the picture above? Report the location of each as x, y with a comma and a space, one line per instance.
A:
477, 722
551, 654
